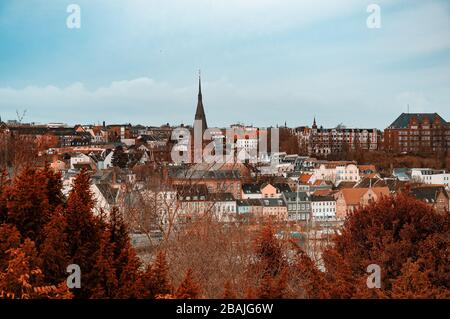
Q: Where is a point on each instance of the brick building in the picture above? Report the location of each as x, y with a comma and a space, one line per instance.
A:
423, 133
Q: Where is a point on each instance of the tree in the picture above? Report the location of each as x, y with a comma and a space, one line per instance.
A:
310, 281
189, 288
414, 283
228, 292
120, 158
404, 236
4, 182
27, 203
9, 238
23, 279
126, 263
103, 272
53, 187
54, 250
84, 232
156, 279
271, 266
269, 252
272, 287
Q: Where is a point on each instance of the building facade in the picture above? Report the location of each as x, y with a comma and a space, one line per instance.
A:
423, 133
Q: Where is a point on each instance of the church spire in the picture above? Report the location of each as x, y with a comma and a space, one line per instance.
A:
199, 84
200, 112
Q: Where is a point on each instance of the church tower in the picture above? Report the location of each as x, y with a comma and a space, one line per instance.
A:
200, 112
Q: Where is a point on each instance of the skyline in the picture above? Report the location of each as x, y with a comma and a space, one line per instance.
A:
262, 63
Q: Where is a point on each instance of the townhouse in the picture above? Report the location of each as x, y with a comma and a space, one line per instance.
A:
323, 208
430, 176
350, 199
298, 205
434, 196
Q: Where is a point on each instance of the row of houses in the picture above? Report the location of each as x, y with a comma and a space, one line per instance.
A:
424, 133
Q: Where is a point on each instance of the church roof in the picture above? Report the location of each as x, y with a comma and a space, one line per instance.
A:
200, 112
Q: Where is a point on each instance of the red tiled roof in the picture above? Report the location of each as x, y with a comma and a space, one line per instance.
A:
304, 178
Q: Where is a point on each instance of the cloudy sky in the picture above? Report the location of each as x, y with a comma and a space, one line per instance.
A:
263, 62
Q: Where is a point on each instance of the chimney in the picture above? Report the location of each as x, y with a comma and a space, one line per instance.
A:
104, 124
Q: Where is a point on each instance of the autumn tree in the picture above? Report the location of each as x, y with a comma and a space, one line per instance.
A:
405, 237
189, 287
27, 203
54, 250
125, 261
271, 265
228, 291
4, 182
21, 276
84, 232
156, 279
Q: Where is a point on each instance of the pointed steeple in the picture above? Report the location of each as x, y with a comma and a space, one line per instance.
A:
200, 112
314, 123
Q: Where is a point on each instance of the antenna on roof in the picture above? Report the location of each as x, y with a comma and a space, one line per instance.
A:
407, 109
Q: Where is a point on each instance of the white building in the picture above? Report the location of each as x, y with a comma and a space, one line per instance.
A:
224, 207
336, 172
431, 176
323, 208
79, 158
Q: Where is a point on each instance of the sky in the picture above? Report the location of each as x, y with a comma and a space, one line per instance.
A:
263, 62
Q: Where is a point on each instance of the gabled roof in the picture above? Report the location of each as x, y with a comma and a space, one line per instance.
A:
108, 192
304, 178
353, 196
381, 191
367, 182
346, 184
428, 194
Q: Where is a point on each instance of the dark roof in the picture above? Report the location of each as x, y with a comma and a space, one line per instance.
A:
200, 112
394, 184
292, 196
428, 194
367, 182
242, 202
194, 192
273, 202
180, 173
282, 187
108, 192
222, 197
41, 130
403, 120
254, 202
251, 188
315, 198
